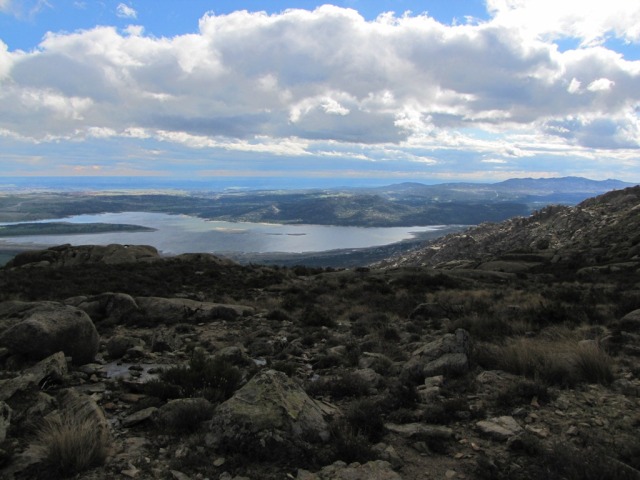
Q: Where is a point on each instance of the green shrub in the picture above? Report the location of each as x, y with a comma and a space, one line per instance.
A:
365, 417
186, 416
212, 378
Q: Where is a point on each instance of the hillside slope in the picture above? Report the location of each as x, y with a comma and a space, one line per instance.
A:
603, 229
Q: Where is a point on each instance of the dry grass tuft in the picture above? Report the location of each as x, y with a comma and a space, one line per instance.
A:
555, 362
72, 443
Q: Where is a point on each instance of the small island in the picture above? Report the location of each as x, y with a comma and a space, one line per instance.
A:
67, 228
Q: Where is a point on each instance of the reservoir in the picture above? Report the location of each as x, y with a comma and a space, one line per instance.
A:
175, 234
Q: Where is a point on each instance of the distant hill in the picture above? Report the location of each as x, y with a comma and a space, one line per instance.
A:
405, 204
600, 230
531, 191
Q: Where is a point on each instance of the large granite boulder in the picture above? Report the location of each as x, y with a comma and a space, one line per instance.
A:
112, 307
41, 329
448, 355
270, 414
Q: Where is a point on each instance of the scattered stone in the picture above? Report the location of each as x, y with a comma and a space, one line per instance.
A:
449, 355
139, 417
119, 345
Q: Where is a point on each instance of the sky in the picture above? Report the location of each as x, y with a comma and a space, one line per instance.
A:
355, 91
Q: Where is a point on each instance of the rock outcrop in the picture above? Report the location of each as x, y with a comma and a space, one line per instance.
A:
68, 255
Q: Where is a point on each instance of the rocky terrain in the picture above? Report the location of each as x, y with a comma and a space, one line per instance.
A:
518, 357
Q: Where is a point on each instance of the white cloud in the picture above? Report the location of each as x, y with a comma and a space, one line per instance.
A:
5, 5
301, 78
601, 85
591, 21
125, 11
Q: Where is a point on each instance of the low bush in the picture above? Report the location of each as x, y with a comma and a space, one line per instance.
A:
365, 417
186, 416
212, 378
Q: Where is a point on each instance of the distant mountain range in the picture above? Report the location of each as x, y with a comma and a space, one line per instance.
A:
531, 191
405, 204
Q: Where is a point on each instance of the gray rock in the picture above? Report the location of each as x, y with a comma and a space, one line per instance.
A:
420, 431
449, 355
270, 411
118, 345
500, 428
111, 307
47, 328
5, 420
234, 355
139, 416
52, 368
630, 322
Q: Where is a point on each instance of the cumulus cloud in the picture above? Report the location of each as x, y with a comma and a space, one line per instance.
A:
590, 21
283, 83
125, 11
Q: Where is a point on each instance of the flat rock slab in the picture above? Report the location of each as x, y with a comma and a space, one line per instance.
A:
500, 428
420, 431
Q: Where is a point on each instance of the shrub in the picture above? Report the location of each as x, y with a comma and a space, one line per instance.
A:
365, 417
593, 364
186, 415
555, 362
72, 443
522, 393
212, 378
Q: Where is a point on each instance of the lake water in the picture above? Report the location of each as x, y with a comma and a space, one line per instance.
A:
177, 234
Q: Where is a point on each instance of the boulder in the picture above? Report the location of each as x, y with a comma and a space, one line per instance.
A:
51, 369
269, 412
448, 355
119, 345
420, 431
111, 307
629, 323
47, 328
